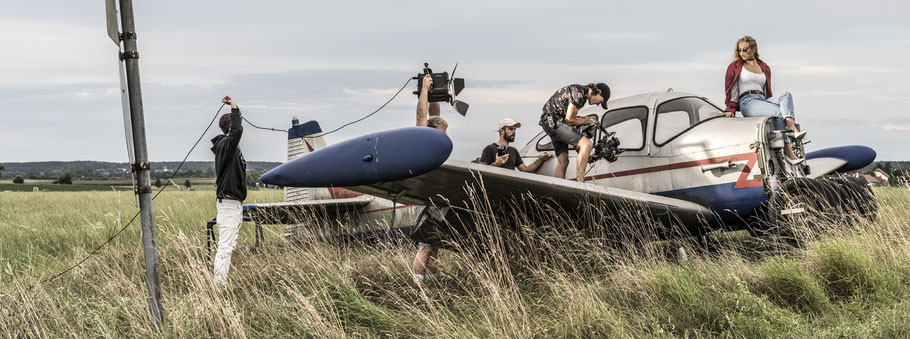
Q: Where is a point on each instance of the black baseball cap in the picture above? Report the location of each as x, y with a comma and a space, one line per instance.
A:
604, 92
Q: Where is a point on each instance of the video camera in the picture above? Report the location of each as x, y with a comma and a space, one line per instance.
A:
444, 89
605, 148
501, 150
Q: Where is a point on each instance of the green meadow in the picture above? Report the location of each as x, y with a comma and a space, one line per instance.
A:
849, 278
30, 185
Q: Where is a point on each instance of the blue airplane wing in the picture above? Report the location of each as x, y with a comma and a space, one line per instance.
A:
839, 159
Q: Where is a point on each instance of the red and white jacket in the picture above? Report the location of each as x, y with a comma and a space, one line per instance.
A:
731, 83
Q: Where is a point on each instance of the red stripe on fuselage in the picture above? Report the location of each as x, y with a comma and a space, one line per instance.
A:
743, 181
340, 193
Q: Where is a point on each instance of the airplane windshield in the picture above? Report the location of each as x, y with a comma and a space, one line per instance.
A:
629, 124
675, 116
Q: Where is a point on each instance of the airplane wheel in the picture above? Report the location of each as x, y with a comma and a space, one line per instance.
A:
840, 204
859, 200
802, 206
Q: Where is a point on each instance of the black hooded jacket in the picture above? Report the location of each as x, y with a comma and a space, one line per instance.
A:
230, 167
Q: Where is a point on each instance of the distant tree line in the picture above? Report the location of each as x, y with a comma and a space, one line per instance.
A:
99, 170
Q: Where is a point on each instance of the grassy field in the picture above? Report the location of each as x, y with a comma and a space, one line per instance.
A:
852, 280
97, 185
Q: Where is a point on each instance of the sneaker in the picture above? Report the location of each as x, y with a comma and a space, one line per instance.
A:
796, 162
418, 278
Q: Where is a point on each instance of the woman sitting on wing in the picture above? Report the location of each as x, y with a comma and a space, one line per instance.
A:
748, 89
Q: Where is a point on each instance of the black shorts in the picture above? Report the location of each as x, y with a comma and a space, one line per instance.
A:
562, 136
431, 228
439, 226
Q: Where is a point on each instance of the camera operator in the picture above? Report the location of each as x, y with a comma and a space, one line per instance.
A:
560, 121
500, 154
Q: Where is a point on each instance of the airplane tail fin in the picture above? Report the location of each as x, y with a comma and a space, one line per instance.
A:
304, 139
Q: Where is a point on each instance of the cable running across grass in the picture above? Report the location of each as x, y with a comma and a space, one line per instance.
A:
153, 198
217, 113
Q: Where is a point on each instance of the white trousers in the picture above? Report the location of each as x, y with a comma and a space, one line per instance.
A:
230, 216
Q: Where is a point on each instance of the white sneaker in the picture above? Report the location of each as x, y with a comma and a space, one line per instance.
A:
798, 135
418, 278
796, 162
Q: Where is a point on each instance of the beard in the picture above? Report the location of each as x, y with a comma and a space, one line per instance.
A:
509, 138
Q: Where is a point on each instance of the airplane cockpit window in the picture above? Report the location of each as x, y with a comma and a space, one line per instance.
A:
678, 115
629, 124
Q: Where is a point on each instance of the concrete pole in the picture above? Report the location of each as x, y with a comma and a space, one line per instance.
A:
141, 167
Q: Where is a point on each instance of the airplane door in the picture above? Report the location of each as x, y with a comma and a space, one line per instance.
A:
676, 137
634, 169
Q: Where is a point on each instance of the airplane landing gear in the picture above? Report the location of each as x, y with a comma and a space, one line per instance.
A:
802, 208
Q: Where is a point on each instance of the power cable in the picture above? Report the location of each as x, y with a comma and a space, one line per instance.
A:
337, 129
137, 213
111, 238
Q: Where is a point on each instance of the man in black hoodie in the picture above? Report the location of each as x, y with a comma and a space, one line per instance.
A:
230, 172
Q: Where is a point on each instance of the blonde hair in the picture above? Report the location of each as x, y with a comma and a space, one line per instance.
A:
437, 121
752, 44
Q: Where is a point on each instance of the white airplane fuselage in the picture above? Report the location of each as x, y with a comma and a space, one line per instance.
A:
721, 163
675, 145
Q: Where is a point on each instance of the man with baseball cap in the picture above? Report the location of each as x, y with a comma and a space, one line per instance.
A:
561, 122
500, 154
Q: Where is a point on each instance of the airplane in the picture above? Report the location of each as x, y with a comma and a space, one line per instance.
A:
681, 161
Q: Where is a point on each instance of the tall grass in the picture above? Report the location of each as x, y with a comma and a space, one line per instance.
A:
528, 271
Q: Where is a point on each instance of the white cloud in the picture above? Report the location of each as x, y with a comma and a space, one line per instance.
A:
894, 127
839, 70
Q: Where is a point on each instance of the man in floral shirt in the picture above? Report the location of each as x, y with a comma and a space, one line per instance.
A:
560, 121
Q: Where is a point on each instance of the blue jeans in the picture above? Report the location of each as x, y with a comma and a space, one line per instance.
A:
778, 106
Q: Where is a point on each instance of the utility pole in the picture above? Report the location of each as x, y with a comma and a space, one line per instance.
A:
140, 166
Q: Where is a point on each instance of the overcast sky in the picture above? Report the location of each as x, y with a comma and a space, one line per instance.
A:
846, 64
